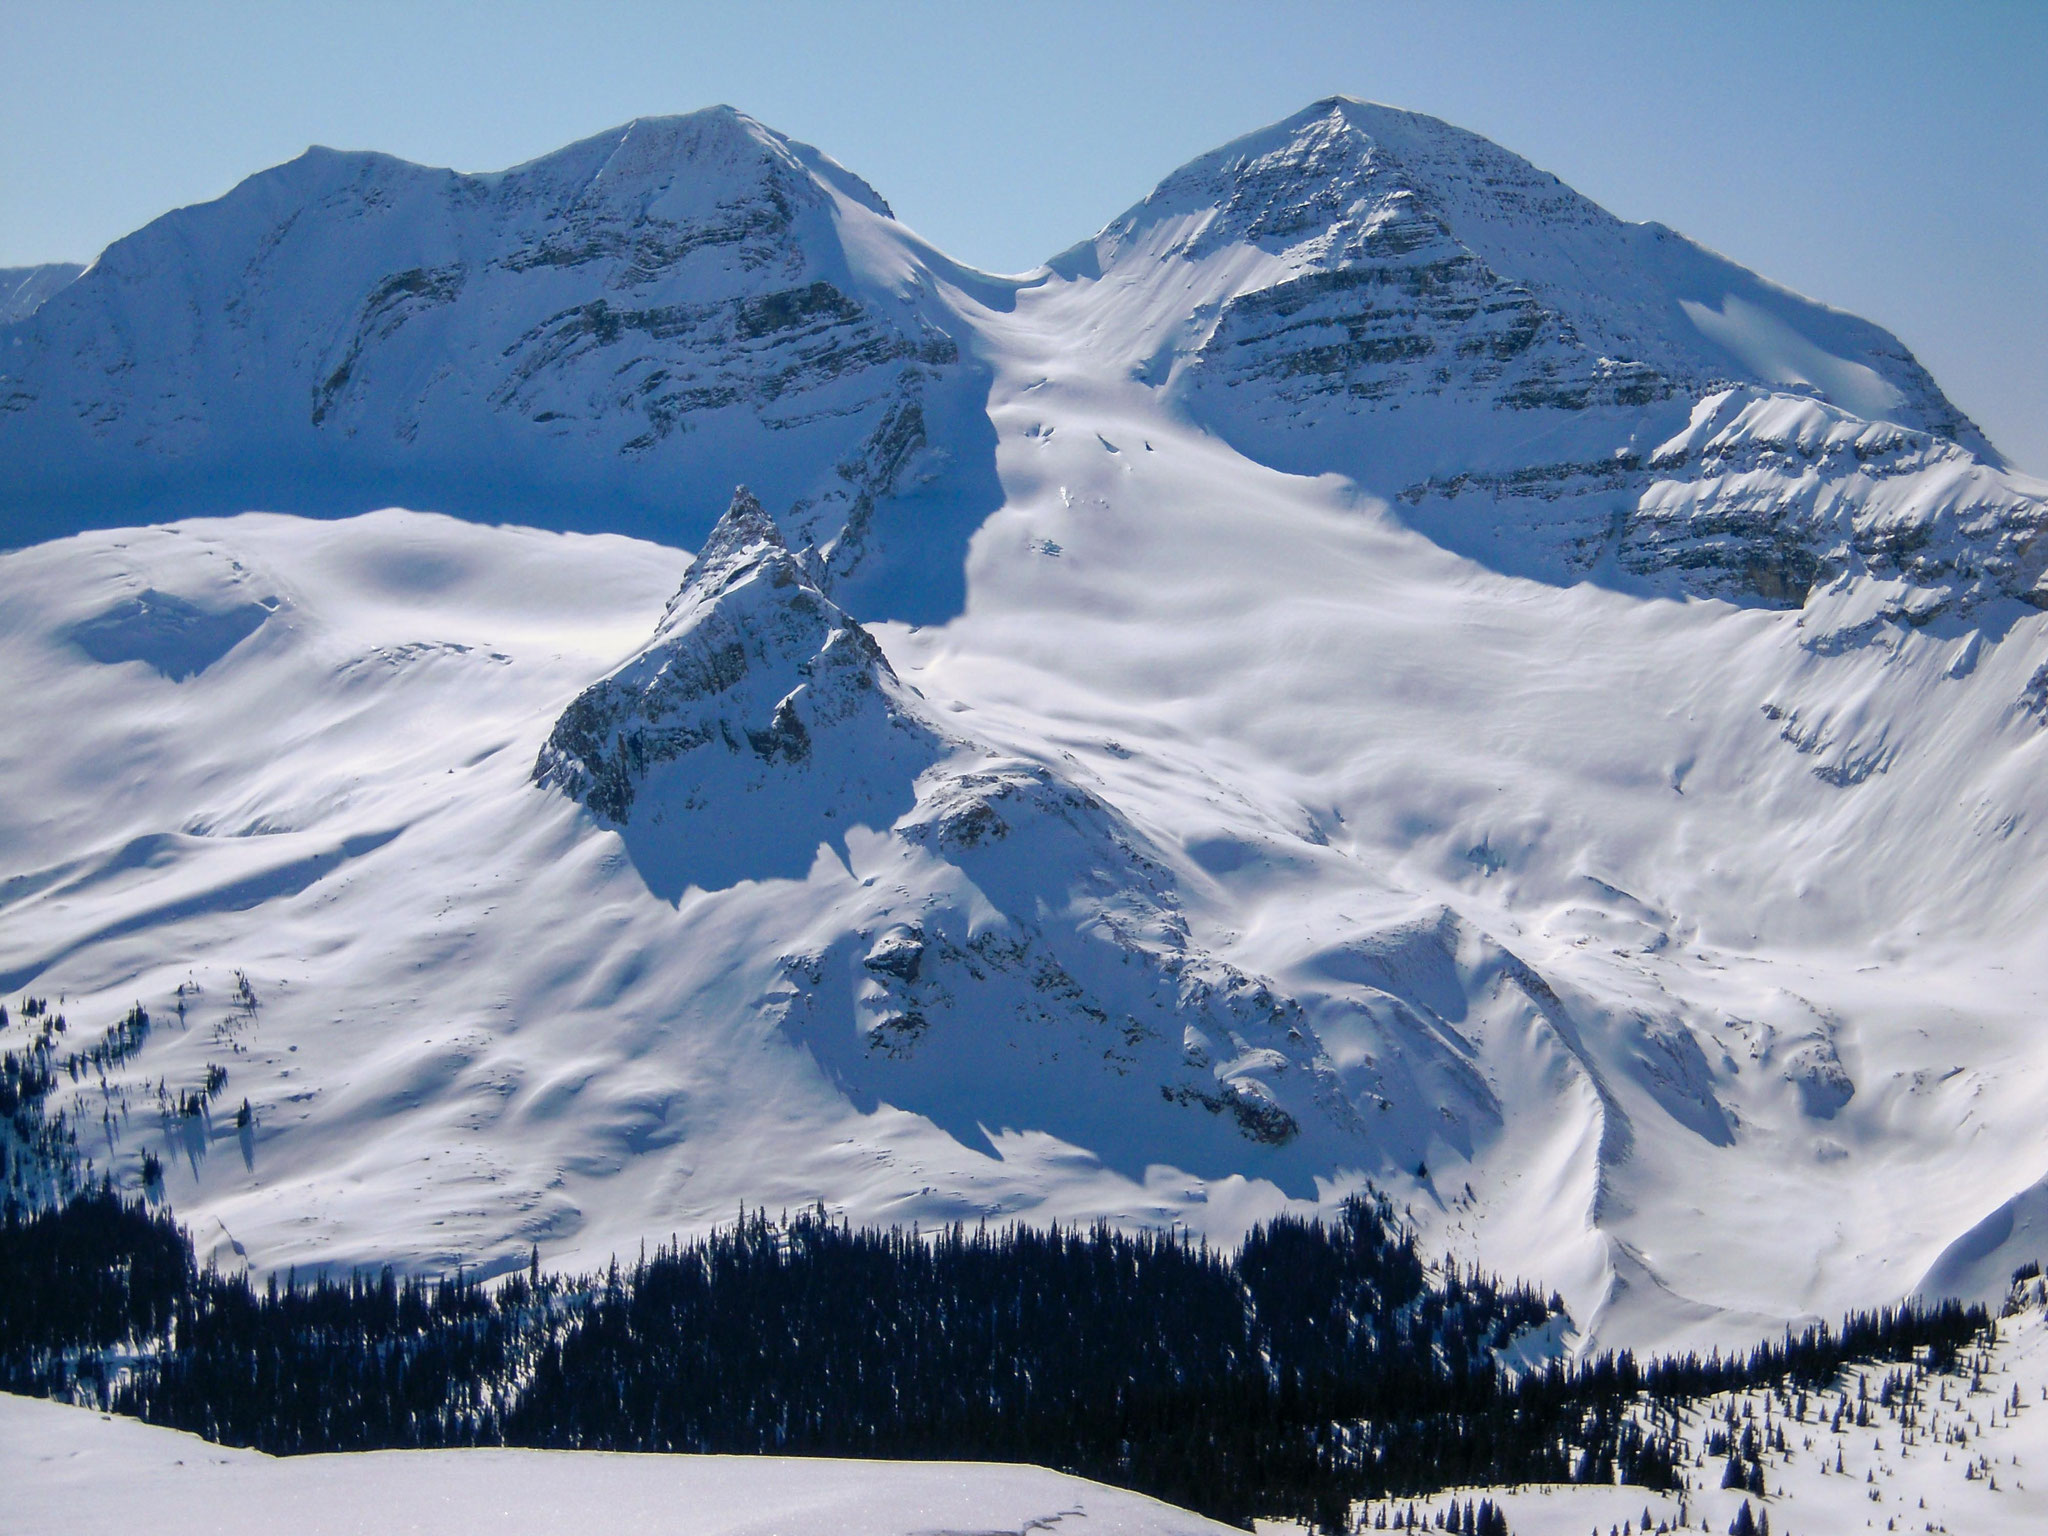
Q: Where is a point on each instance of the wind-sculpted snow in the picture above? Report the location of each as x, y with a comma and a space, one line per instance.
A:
176, 637
1370, 670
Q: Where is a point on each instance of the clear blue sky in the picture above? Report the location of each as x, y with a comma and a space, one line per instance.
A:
1891, 159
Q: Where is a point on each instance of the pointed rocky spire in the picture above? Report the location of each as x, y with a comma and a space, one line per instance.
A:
745, 529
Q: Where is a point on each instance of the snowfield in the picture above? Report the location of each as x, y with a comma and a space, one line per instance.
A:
1370, 669
59, 1461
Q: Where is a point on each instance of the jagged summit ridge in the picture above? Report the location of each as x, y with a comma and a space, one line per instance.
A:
745, 532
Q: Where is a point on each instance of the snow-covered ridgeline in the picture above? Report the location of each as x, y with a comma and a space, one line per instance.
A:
24, 289
596, 339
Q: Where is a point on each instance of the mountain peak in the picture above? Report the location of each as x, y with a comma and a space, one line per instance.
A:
1454, 266
1335, 164
672, 278
714, 151
744, 529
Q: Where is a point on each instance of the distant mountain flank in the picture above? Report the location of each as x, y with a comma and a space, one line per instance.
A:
23, 290
1575, 395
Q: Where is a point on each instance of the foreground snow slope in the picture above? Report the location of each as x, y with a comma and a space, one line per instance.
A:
1148, 805
64, 1467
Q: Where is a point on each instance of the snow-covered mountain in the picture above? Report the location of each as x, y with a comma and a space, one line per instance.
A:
1370, 668
1537, 383
605, 338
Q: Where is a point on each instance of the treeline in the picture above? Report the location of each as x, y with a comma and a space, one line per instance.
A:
1233, 1383
1320, 1363
357, 1364
39, 1160
78, 1281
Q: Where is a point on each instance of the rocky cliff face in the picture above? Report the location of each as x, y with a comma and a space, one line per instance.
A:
1764, 498
753, 674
